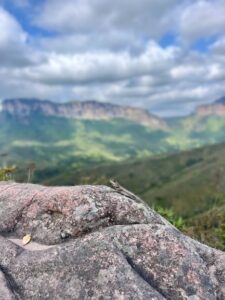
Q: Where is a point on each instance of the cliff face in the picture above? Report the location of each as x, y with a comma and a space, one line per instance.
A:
93, 110
217, 108
93, 242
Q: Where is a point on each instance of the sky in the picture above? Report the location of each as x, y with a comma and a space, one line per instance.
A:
167, 56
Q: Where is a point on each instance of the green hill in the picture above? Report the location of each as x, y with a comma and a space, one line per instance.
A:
145, 159
57, 142
199, 129
190, 183
54, 141
75, 135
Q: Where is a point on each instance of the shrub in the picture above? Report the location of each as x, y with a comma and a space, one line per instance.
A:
6, 173
168, 214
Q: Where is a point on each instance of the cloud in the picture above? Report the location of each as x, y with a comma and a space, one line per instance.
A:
111, 51
202, 19
83, 16
11, 31
101, 67
14, 50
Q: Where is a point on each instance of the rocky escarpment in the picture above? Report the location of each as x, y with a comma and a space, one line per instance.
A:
93, 110
95, 243
217, 108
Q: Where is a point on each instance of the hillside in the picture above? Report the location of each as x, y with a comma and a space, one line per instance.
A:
181, 181
71, 150
54, 141
201, 129
75, 135
190, 183
206, 125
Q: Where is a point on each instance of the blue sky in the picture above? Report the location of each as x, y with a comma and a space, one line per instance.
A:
167, 55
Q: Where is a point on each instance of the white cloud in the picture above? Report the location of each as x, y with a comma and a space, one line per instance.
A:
14, 50
110, 51
201, 19
11, 31
101, 67
83, 16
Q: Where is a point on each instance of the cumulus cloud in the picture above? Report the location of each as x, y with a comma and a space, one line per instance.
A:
14, 43
101, 67
202, 19
83, 16
112, 51
12, 39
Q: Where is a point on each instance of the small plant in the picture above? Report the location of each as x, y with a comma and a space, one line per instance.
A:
220, 232
6, 173
168, 214
31, 166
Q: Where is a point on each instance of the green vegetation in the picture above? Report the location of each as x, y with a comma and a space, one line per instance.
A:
6, 173
168, 214
54, 142
187, 185
197, 130
209, 227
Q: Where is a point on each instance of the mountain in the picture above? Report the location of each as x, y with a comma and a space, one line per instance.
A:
78, 133
206, 125
87, 110
82, 134
217, 108
190, 184
91, 142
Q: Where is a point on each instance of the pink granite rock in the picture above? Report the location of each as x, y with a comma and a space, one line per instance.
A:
103, 246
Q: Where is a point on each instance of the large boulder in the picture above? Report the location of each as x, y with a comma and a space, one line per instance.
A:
92, 242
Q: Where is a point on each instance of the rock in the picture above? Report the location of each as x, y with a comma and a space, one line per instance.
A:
23, 109
5, 292
103, 246
217, 108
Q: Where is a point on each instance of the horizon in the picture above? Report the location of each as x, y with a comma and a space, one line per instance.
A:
153, 55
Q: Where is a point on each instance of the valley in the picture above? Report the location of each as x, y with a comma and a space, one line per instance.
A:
176, 165
78, 135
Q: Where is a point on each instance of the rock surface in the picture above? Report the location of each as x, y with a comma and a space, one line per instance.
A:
93, 110
216, 108
91, 242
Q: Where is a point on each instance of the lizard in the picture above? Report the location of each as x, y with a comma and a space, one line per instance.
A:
121, 190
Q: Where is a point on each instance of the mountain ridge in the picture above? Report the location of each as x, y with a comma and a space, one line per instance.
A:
28, 132
96, 110
216, 108
90, 110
